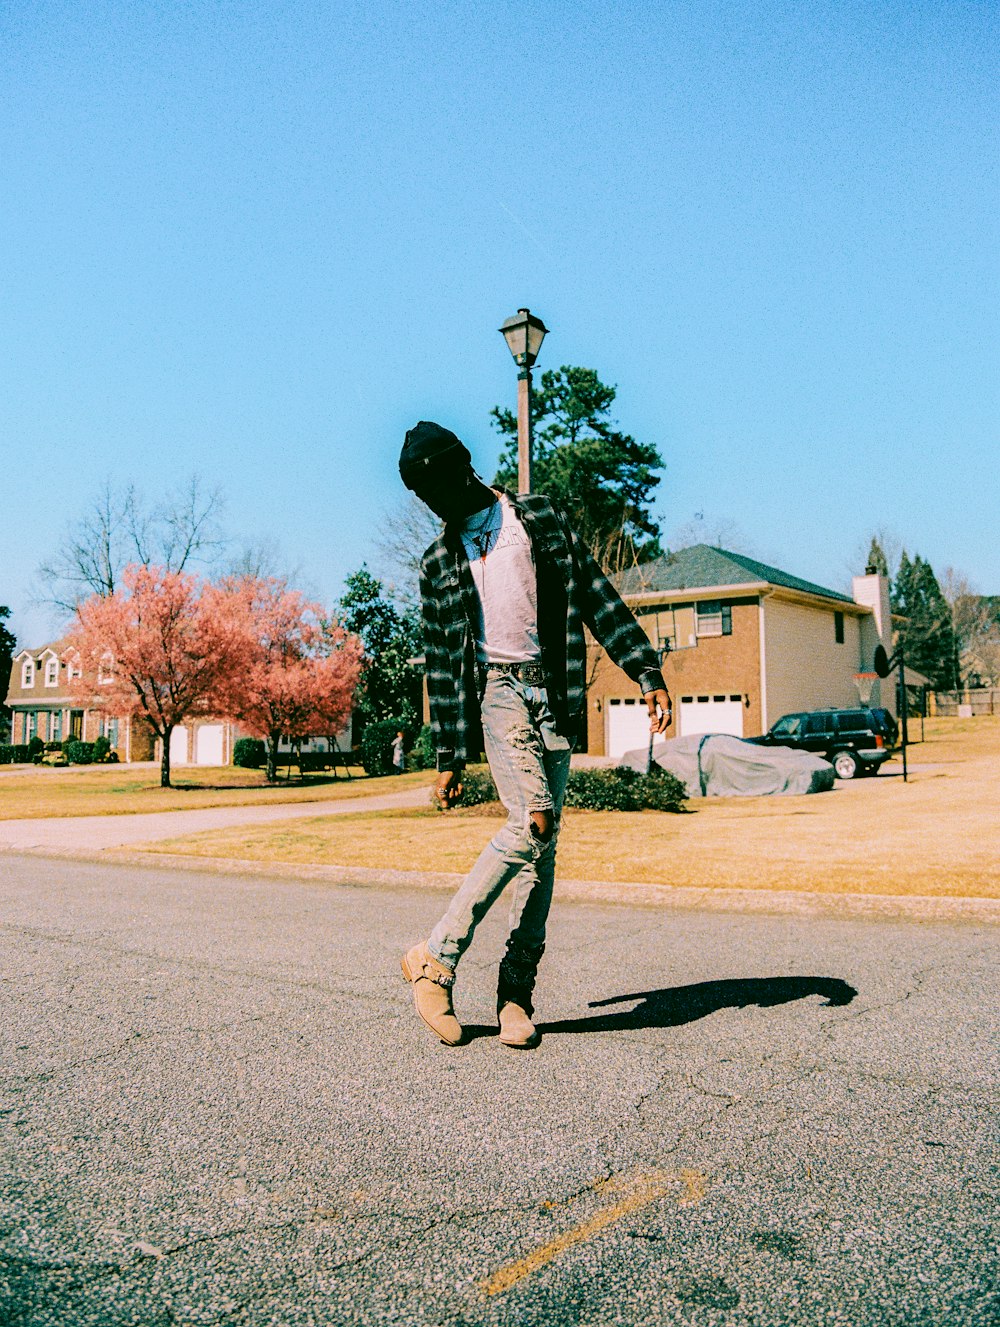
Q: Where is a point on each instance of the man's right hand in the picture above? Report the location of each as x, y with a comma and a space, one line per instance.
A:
449, 788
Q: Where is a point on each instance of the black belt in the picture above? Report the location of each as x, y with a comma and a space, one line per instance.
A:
531, 674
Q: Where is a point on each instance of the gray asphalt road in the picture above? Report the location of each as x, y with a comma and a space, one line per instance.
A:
217, 1106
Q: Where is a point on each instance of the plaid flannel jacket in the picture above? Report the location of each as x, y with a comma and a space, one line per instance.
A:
573, 592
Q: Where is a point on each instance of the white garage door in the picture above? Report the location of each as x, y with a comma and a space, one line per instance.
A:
179, 746
711, 714
628, 726
208, 743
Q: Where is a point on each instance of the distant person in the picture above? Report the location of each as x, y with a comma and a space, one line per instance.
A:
398, 755
506, 591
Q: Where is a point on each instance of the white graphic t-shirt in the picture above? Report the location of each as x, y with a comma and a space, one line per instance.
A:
499, 553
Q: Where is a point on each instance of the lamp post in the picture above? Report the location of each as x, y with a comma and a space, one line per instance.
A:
524, 334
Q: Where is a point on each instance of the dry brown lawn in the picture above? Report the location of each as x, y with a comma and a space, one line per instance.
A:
107, 790
939, 834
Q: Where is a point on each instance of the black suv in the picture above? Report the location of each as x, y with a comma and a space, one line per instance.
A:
853, 741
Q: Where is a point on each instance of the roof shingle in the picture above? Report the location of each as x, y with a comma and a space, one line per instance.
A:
703, 566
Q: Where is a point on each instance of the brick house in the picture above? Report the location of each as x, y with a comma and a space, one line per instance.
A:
42, 704
742, 643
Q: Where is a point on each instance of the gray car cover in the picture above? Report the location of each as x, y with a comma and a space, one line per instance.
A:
716, 765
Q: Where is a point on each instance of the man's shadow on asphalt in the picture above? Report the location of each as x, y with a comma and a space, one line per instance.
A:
676, 1005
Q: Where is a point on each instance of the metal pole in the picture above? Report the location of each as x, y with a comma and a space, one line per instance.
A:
524, 431
904, 707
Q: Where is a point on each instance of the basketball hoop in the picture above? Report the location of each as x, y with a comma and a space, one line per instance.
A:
865, 684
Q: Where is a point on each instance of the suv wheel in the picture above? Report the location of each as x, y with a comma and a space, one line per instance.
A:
845, 765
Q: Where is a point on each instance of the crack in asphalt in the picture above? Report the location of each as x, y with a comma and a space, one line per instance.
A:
111, 949
916, 982
130, 1043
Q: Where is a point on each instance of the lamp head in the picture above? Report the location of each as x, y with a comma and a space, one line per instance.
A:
524, 334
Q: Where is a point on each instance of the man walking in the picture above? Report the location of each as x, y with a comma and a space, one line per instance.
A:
506, 591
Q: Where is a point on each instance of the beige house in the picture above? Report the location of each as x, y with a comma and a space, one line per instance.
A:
742, 643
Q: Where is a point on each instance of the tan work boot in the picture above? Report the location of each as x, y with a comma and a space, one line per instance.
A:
432, 983
516, 1028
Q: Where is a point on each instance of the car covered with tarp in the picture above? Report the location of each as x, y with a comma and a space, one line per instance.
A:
717, 765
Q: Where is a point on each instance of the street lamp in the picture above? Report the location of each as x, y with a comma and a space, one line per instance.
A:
524, 334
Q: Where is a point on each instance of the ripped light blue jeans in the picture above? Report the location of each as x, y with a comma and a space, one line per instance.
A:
529, 762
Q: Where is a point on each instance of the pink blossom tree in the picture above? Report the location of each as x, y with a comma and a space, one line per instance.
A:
299, 669
162, 647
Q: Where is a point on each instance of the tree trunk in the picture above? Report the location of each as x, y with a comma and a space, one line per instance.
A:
272, 757
165, 759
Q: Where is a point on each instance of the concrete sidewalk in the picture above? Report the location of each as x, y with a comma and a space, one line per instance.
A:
87, 833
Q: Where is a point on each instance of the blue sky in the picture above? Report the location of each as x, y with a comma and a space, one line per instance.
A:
258, 241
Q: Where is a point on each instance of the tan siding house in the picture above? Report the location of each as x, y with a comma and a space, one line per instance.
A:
742, 643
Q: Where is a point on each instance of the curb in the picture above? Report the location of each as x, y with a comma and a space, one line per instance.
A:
783, 902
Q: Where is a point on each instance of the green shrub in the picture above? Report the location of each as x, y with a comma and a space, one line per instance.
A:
102, 749
477, 787
624, 789
6, 753
53, 746
36, 748
376, 745
591, 790
424, 754
249, 753
77, 752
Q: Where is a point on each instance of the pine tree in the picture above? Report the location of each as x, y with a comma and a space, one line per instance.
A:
877, 559
7, 644
927, 635
601, 478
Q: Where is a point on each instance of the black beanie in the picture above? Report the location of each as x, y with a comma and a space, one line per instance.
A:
429, 448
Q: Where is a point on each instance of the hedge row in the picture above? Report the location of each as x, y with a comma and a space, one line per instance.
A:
619, 789
72, 751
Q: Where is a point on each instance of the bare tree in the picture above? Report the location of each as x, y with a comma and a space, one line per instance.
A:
405, 531
185, 527
711, 528
120, 527
975, 627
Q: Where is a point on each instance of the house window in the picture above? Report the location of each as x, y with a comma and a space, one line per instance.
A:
675, 628
106, 670
838, 628
57, 725
51, 672
111, 732
714, 618
28, 673
31, 725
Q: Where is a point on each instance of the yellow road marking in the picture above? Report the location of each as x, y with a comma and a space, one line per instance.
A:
638, 1192
694, 1187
